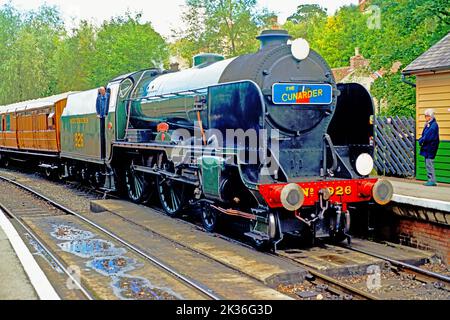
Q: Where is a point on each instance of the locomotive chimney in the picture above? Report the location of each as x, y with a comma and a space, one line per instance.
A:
270, 38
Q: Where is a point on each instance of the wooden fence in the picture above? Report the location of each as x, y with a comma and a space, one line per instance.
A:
395, 146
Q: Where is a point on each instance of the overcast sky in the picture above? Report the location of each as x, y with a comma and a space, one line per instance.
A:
163, 14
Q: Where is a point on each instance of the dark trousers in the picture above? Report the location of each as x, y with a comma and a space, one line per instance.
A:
429, 164
103, 138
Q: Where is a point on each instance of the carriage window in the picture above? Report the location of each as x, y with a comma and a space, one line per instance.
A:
51, 121
8, 122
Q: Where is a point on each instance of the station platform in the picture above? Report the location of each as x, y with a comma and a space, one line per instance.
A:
20, 276
14, 283
413, 192
423, 216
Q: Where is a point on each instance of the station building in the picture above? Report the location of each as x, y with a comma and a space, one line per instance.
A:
432, 71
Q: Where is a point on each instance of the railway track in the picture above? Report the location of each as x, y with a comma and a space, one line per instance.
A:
318, 279
24, 206
48, 252
334, 286
419, 273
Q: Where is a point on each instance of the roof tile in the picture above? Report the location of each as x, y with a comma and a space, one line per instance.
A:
436, 58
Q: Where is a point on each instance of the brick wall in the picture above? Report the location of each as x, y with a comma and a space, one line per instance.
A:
425, 235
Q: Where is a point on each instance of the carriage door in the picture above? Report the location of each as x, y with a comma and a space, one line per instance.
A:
33, 135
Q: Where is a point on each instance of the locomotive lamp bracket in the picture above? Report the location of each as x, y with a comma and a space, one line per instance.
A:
324, 201
337, 92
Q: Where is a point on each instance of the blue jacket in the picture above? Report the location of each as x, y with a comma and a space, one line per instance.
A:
430, 140
102, 105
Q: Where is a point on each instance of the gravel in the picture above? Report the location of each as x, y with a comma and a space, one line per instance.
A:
399, 286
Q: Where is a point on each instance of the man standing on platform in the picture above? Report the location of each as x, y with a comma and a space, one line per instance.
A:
429, 144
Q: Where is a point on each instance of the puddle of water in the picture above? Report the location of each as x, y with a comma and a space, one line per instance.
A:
109, 261
136, 288
112, 266
42, 253
69, 233
91, 248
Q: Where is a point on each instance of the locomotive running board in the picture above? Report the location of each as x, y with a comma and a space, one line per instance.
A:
164, 173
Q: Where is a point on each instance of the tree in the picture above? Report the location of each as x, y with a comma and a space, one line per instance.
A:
407, 29
28, 71
228, 27
74, 59
22, 74
10, 24
399, 97
125, 44
307, 22
307, 13
38, 57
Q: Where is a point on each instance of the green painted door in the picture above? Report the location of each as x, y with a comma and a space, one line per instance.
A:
441, 163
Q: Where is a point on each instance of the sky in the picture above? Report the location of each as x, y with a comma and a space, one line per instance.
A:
165, 15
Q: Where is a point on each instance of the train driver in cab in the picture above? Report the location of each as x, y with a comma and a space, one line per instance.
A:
102, 108
102, 102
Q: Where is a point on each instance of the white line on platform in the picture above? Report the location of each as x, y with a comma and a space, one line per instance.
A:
421, 202
38, 279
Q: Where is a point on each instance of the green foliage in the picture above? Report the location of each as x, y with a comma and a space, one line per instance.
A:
334, 37
38, 57
228, 27
307, 13
10, 23
307, 21
123, 45
74, 58
399, 97
27, 70
408, 28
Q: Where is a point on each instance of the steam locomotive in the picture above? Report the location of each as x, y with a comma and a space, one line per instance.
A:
269, 139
